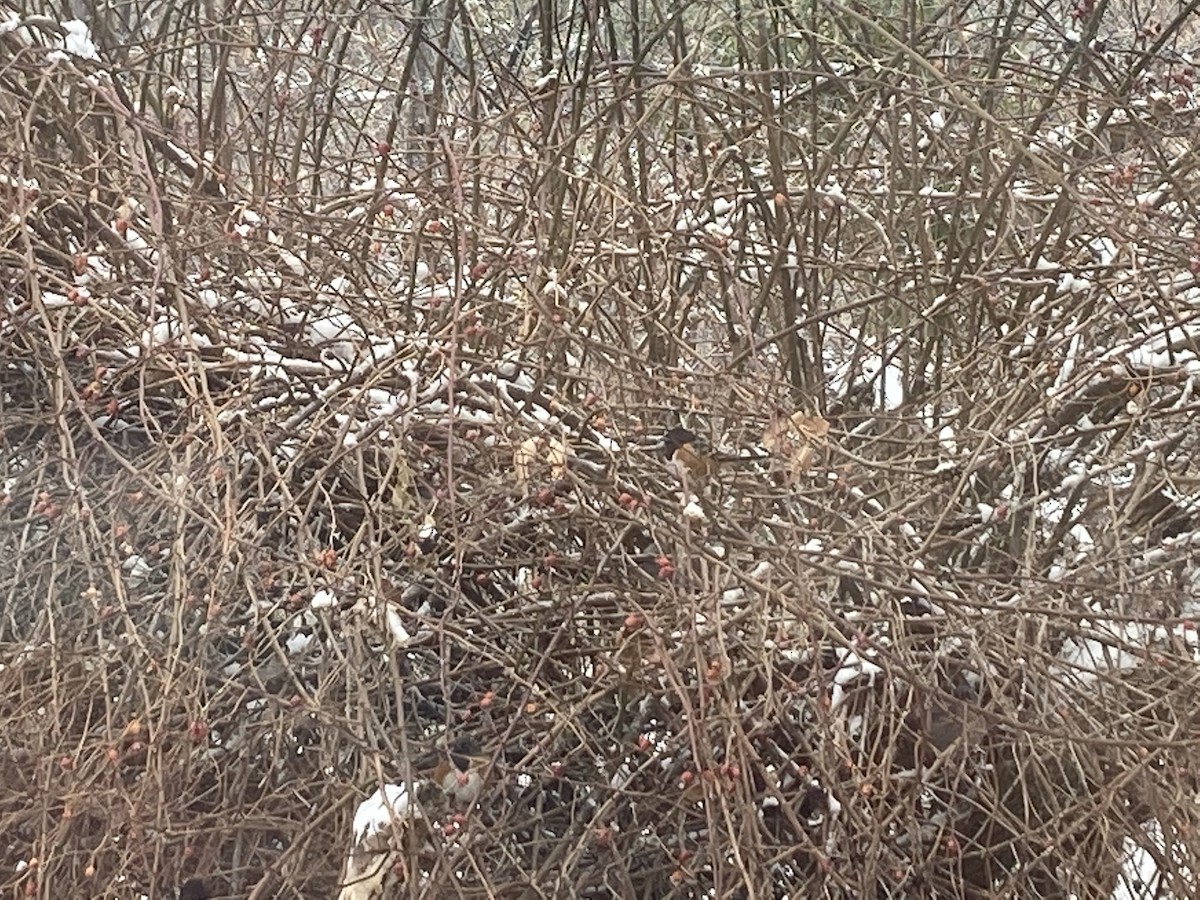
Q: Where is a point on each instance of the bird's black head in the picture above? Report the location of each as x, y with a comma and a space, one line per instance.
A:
462, 750
677, 437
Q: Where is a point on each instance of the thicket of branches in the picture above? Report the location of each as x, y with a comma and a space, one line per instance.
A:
336, 341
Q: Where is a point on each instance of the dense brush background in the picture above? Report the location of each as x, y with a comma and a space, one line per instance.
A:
336, 339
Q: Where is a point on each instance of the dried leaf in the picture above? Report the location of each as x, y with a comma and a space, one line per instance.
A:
523, 457
811, 427
783, 433
401, 478
775, 434
801, 460
794, 438
528, 314
557, 452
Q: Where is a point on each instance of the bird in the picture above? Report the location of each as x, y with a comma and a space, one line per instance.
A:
457, 769
685, 457
194, 889
692, 461
376, 860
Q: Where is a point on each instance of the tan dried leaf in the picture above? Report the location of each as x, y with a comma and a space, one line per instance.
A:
794, 438
811, 427
523, 457
528, 313
557, 452
800, 461
401, 478
775, 434
784, 432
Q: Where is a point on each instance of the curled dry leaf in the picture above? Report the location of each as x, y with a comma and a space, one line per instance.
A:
557, 452
523, 457
811, 427
784, 432
553, 451
794, 438
401, 477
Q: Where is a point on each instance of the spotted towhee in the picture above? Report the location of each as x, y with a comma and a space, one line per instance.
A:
456, 769
685, 456
690, 459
